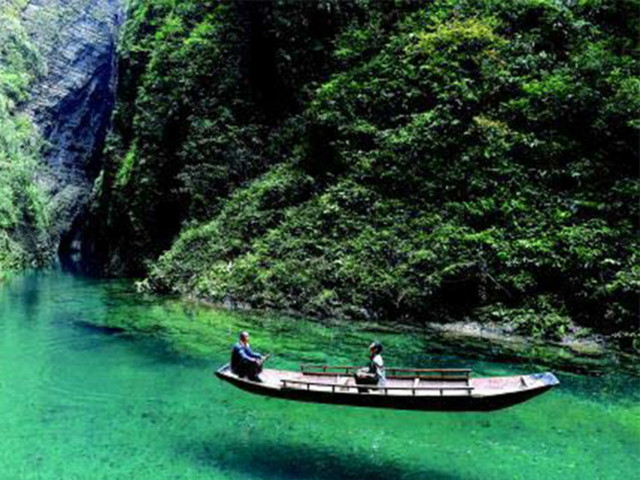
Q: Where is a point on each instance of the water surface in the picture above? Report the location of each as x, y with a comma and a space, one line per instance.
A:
82, 396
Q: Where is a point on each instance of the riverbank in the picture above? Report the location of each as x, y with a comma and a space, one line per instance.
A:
588, 353
421, 171
580, 351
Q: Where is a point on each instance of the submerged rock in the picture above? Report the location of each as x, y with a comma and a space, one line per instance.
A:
591, 354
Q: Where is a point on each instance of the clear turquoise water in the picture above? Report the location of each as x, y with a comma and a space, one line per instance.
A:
84, 402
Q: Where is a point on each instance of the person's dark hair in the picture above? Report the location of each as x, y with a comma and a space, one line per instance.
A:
377, 347
243, 335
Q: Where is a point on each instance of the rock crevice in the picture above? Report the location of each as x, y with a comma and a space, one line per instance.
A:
72, 101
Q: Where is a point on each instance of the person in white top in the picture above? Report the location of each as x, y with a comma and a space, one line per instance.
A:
374, 374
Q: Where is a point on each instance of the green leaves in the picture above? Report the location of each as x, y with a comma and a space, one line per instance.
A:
370, 159
23, 206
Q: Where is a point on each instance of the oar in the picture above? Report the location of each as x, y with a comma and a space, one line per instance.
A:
265, 358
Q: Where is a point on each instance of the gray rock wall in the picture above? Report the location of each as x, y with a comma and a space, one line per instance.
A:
72, 100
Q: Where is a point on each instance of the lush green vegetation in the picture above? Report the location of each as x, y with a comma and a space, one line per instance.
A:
23, 215
404, 160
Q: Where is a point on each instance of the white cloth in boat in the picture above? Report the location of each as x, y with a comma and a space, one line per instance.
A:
377, 367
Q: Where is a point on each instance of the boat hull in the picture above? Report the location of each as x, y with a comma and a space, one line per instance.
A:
459, 403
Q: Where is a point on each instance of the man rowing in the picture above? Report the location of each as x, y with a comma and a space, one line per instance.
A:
245, 362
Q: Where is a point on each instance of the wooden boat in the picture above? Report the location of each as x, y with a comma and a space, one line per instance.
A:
448, 389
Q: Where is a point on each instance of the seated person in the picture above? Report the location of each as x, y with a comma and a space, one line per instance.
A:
374, 374
244, 362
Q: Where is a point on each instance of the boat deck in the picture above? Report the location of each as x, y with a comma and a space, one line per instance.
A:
400, 382
346, 384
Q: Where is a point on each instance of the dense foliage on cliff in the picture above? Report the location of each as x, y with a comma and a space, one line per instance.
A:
381, 160
23, 216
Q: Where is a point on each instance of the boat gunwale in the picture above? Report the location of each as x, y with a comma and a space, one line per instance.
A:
371, 387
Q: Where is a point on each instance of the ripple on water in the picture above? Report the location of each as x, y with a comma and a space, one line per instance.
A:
72, 367
80, 402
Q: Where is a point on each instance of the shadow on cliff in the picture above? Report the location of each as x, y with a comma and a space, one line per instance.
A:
281, 460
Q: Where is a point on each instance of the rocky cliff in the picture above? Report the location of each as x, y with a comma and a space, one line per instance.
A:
72, 100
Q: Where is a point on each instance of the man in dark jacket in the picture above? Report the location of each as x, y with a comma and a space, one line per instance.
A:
244, 362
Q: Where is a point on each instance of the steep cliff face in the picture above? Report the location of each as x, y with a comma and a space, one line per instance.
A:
72, 100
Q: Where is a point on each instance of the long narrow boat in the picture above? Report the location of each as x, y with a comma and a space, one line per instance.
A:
448, 389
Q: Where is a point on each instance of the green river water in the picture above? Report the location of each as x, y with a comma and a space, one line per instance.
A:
84, 397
